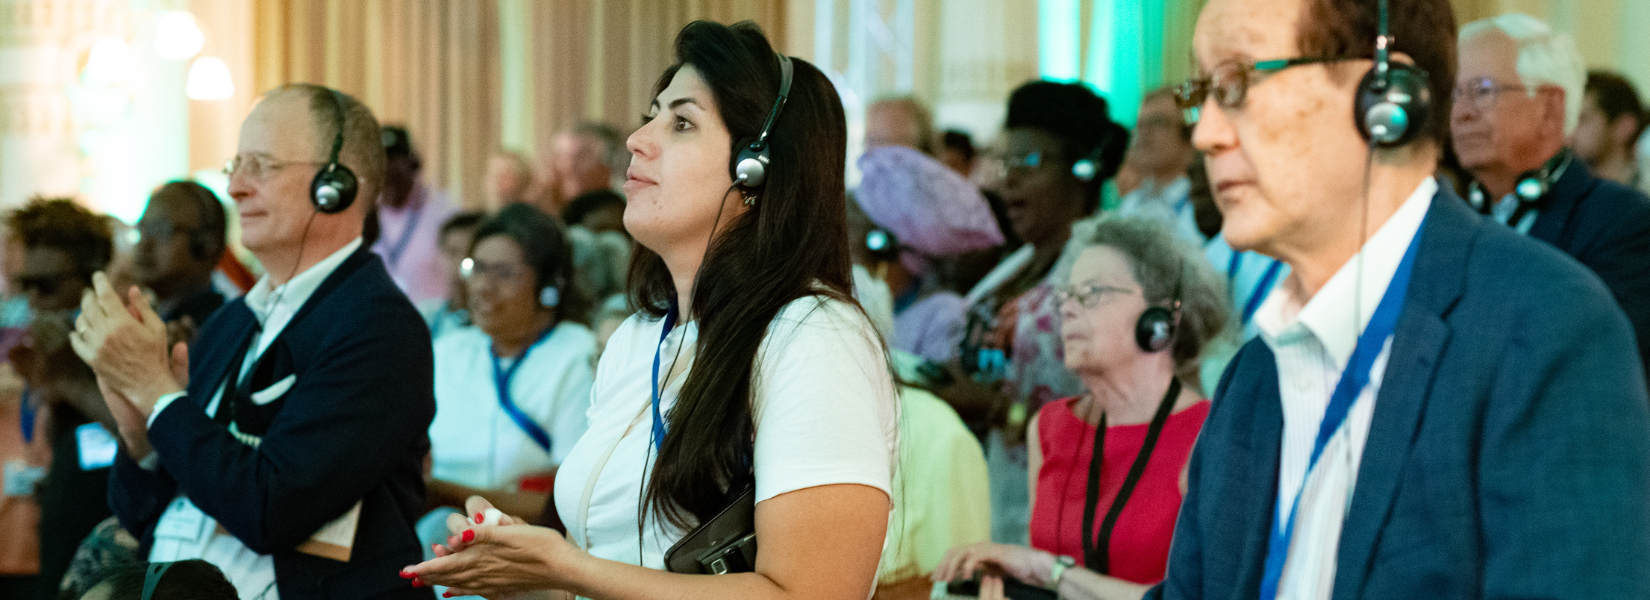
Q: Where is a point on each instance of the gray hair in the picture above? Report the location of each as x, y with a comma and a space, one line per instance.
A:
1162, 262
1545, 57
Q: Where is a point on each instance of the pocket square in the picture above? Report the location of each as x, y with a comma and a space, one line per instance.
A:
275, 390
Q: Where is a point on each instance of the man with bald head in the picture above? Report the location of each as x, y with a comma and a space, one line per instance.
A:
899, 122
1520, 95
1435, 406
286, 444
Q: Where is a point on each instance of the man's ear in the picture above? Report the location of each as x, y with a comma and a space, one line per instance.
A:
1552, 103
1624, 131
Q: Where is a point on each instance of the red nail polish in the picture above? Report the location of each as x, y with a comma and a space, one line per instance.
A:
417, 583
479, 518
446, 594
405, 574
469, 536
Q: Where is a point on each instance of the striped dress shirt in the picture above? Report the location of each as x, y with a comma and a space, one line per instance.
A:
1313, 339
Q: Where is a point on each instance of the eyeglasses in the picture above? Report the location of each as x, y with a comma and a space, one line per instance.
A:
999, 167
158, 233
258, 167
472, 269
1482, 92
1229, 83
1087, 296
46, 285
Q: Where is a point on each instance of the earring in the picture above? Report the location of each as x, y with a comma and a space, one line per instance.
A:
549, 297
750, 199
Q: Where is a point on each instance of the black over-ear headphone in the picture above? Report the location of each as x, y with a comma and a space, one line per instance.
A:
1532, 185
152, 576
334, 187
1158, 324
750, 165
1394, 99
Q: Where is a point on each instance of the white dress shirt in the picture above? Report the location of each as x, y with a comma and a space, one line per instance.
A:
1312, 339
185, 532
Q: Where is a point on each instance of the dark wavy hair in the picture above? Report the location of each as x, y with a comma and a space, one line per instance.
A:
792, 243
62, 224
545, 247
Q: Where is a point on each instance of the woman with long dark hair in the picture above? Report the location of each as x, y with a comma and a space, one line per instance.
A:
748, 365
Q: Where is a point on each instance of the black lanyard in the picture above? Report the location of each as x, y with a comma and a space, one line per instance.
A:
1097, 549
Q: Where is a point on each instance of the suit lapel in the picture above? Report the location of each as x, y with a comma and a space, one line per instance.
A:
1253, 506
1416, 345
1561, 202
217, 361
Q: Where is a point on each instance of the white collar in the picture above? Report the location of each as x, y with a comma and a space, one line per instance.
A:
296, 291
1285, 318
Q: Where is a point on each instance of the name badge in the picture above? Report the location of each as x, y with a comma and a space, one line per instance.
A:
97, 447
181, 521
21, 477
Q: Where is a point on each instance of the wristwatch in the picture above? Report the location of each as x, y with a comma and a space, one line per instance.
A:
1061, 563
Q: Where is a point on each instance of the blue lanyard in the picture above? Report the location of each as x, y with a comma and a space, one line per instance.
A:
27, 415
1257, 295
501, 381
658, 418
406, 235
1353, 379
1261, 289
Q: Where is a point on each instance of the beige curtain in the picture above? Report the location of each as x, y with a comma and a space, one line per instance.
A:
598, 59
431, 65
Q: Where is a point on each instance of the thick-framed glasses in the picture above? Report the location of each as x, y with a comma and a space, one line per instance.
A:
158, 233
1481, 93
471, 270
1087, 296
257, 167
1229, 82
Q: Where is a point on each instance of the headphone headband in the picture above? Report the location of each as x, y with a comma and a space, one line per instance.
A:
750, 165
334, 186
152, 577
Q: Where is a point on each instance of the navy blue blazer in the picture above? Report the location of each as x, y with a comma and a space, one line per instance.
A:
1606, 226
1509, 455
353, 427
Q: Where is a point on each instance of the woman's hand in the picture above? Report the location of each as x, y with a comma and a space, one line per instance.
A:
500, 560
1025, 564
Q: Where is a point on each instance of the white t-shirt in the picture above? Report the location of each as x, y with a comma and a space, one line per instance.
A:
824, 409
473, 442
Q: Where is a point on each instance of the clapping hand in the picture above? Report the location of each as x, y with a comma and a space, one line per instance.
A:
509, 559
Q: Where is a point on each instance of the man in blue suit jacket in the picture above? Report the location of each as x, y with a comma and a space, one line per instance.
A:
1500, 447
293, 460
1511, 137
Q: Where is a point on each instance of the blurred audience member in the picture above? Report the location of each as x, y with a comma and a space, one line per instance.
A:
511, 392
1519, 94
899, 122
64, 244
452, 312
1058, 147
181, 580
509, 179
24, 456
598, 211
582, 159
1611, 120
957, 151
922, 212
410, 214
181, 238
1160, 152
1139, 310
942, 497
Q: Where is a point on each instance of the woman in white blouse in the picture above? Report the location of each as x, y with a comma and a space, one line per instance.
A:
771, 373
511, 391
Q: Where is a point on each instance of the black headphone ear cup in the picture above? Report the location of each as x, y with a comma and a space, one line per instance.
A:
750, 167
333, 189
1393, 116
1155, 330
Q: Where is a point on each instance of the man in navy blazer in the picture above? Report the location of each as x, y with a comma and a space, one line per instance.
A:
1500, 445
1511, 136
291, 453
